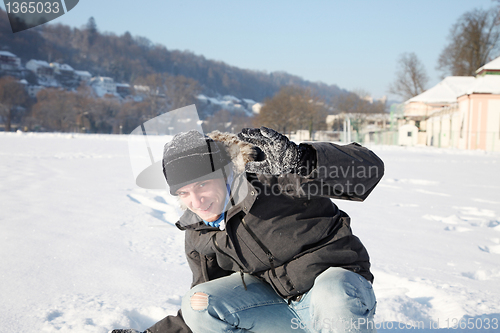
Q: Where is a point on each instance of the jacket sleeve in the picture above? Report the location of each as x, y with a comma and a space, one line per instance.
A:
348, 172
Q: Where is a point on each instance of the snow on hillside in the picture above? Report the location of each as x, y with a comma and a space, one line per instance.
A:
84, 250
233, 104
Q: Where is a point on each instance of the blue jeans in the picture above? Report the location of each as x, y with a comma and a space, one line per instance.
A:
339, 301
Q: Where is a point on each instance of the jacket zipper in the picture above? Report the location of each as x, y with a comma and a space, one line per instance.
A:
230, 257
262, 246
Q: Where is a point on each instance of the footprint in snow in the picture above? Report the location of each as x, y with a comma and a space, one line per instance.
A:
482, 275
490, 249
457, 229
432, 193
475, 211
460, 222
53, 315
164, 208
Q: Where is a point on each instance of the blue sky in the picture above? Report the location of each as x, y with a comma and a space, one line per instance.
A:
354, 44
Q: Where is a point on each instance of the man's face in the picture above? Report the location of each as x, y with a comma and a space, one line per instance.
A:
205, 198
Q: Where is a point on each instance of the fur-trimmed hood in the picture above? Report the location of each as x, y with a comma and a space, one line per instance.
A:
239, 151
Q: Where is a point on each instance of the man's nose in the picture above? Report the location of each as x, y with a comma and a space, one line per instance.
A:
196, 200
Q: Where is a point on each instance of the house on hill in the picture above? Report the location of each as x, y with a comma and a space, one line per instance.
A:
65, 75
9, 61
123, 89
83, 76
43, 71
103, 85
62, 69
41, 68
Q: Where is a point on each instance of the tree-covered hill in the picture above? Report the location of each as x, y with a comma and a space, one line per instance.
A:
126, 58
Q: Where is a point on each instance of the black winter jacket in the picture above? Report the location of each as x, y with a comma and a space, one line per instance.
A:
286, 230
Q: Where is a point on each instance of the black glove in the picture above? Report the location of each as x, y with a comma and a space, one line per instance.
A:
281, 155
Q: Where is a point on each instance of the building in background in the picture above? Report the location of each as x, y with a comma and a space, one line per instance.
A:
103, 85
474, 122
359, 127
9, 61
443, 95
459, 112
123, 89
41, 68
491, 68
83, 76
62, 69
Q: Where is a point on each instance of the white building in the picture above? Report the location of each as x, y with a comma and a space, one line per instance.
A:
460, 112
33, 90
408, 135
473, 122
40, 68
491, 68
62, 69
256, 108
103, 85
84, 76
443, 95
123, 89
9, 61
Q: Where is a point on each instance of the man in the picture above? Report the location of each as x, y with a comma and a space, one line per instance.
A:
269, 250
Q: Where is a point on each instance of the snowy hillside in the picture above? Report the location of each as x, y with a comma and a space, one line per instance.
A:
84, 250
233, 104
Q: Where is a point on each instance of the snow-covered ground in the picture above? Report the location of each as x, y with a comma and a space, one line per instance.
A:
84, 250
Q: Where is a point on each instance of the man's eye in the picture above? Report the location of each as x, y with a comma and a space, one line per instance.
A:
202, 184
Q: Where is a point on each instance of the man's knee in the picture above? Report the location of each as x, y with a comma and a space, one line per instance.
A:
199, 301
194, 309
340, 288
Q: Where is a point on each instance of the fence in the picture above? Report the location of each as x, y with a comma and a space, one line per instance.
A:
483, 140
488, 141
380, 138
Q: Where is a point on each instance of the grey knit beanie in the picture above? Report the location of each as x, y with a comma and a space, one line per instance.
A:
192, 156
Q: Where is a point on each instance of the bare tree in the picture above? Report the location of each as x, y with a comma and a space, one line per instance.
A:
292, 108
54, 110
155, 96
181, 91
220, 120
359, 106
278, 111
104, 116
411, 78
129, 116
227, 121
359, 102
473, 40
12, 96
167, 92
